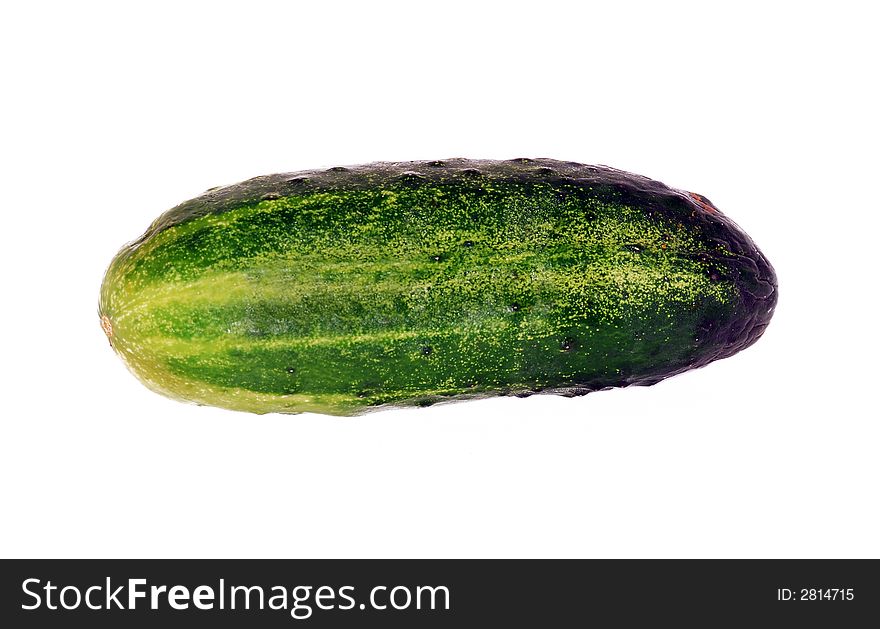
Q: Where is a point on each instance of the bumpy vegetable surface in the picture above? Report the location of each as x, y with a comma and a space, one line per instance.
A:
342, 290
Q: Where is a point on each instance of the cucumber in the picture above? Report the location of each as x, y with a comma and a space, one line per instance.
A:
344, 290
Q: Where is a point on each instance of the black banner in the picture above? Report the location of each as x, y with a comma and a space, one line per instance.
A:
435, 593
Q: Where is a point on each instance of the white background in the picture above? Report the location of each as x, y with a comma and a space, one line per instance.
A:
112, 114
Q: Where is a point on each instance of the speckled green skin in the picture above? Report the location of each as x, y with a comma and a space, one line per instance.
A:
343, 290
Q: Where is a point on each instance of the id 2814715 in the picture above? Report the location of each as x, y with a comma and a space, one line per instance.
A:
815, 594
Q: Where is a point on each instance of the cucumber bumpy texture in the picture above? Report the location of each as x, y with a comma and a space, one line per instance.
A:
343, 290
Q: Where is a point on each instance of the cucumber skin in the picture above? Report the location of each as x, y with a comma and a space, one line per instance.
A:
345, 290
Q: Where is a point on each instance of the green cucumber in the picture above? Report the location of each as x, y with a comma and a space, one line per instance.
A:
344, 290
